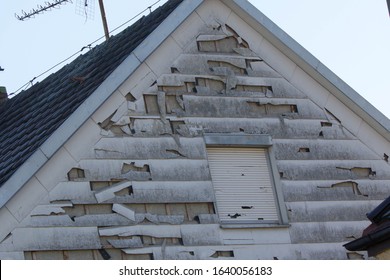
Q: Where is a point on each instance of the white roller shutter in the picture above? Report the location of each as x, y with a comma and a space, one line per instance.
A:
242, 184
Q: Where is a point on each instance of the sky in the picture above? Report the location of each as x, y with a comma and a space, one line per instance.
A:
351, 37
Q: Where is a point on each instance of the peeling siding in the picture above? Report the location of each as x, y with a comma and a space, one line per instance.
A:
145, 192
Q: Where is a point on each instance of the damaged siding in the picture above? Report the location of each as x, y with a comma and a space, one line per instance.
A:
144, 189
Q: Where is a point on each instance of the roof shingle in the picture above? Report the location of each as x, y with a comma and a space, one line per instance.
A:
28, 119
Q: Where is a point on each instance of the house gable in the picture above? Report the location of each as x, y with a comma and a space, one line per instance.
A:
134, 178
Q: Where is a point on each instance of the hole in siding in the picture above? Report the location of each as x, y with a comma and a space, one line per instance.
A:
294, 108
304, 150
175, 125
76, 173
222, 254
175, 152
246, 207
132, 167
276, 258
174, 70
235, 216
326, 124
105, 255
281, 174
151, 104
321, 134
130, 97
386, 157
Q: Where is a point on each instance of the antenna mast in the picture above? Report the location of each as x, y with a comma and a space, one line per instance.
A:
41, 8
104, 20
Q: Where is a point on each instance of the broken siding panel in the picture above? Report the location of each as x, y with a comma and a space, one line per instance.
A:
279, 128
76, 192
159, 231
143, 170
56, 238
167, 192
330, 169
202, 106
150, 148
333, 190
321, 149
323, 211
326, 232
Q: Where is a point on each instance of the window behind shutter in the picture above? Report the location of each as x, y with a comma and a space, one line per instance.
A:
242, 183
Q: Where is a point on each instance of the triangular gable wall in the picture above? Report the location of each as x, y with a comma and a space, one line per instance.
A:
134, 179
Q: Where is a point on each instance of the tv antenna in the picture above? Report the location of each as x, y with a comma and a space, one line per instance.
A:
87, 6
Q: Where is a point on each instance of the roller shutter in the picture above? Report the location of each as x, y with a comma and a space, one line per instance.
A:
242, 184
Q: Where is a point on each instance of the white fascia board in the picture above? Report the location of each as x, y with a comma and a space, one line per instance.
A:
96, 99
311, 65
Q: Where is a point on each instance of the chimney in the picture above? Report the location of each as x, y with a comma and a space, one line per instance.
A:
3, 95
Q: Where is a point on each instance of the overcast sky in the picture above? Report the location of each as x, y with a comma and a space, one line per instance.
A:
351, 37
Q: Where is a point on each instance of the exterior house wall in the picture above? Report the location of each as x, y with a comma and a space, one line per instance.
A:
134, 181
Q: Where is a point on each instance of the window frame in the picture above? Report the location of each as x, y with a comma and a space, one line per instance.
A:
262, 141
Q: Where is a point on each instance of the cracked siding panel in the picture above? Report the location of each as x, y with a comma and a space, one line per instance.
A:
168, 192
159, 231
203, 106
46, 210
321, 251
81, 221
323, 190
108, 193
324, 232
76, 192
288, 149
56, 238
183, 252
277, 127
329, 169
323, 211
151, 148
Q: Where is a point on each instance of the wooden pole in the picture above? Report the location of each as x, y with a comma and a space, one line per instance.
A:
104, 20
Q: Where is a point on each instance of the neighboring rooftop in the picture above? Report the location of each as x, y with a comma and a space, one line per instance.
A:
28, 119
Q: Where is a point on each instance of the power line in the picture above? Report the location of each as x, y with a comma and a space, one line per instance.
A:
89, 46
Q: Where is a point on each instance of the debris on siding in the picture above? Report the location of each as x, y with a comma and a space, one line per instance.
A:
109, 192
47, 210
159, 231
124, 211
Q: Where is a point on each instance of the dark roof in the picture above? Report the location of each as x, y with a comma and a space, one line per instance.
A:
376, 235
28, 119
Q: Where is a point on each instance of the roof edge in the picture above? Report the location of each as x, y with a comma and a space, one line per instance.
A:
95, 100
315, 68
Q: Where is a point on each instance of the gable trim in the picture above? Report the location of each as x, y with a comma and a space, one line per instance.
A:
95, 100
312, 66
